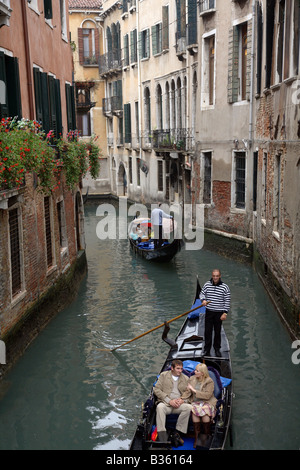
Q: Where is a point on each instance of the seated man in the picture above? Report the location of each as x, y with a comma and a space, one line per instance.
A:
173, 397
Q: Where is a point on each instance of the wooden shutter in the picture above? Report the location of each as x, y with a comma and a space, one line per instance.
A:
192, 22
15, 260
126, 50
233, 57
3, 91
165, 27
38, 95
52, 101
154, 39
58, 108
127, 115
45, 101
13, 87
80, 46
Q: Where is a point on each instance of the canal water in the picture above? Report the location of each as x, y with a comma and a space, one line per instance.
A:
65, 393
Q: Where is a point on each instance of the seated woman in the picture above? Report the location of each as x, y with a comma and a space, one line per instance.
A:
203, 400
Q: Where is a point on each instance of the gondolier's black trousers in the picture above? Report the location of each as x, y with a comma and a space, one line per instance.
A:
157, 229
212, 323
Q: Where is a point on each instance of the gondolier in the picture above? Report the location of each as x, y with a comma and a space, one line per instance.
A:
218, 294
157, 216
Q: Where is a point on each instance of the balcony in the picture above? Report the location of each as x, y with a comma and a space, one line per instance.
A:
180, 45
181, 140
207, 7
110, 63
112, 106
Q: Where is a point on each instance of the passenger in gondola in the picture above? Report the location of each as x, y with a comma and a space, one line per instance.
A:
174, 398
157, 216
203, 402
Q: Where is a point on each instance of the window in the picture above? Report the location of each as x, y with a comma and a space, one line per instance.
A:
239, 63
5, 12
126, 50
264, 187
208, 72
206, 5
10, 94
48, 232
48, 9
88, 44
133, 46
70, 102
61, 216
63, 19
15, 255
277, 180
160, 184
156, 38
47, 101
165, 27
180, 26
144, 43
130, 169
127, 118
137, 124
255, 159
207, 177
138, 173
192, 22
240, 179
147, 101
159, 104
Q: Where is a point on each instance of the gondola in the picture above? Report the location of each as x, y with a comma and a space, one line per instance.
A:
189, 347
143, 245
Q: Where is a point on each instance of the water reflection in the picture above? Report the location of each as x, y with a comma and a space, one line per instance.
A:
65, 393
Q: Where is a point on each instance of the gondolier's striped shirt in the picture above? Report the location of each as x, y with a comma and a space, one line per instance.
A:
219, 296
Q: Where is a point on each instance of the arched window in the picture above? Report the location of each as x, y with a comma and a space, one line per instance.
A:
168, 106
147, 114
179, 104
88, 42
159, 107
173, 108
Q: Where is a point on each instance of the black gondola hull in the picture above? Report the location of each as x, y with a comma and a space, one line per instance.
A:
189, 346
163, 254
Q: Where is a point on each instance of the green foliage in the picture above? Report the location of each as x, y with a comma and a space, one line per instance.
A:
24, 148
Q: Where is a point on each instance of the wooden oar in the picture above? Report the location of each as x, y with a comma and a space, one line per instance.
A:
153, 329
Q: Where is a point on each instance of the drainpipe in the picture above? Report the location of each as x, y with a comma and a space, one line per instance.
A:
28, 59
139, 81
252, 77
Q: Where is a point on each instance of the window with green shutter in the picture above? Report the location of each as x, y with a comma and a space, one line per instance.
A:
165, 27
144, 44
126, 50
156, 32
192, 22
10, 93
127, 119
70, 102
133, 46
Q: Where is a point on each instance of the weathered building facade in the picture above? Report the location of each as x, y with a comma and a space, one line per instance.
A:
86, 37
201, 103
41, 233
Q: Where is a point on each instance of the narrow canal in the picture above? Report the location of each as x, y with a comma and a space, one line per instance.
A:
65, 393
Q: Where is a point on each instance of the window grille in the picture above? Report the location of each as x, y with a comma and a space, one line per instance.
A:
48, 232
15, 251
240, 168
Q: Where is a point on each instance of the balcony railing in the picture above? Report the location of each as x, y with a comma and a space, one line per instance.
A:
112, 105
110, 62
173, 139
